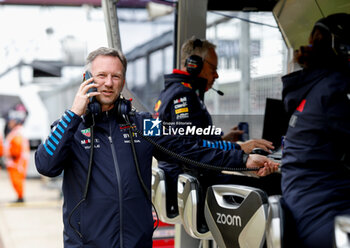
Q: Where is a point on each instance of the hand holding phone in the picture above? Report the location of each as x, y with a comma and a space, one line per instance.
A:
87, 76
94, 107
82, 100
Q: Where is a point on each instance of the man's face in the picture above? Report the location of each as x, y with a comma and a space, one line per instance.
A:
108, 74
210, 64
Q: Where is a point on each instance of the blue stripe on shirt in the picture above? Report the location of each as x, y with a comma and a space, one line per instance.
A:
53, 139
63, 123
51, 145
57, 134
225, 145
66, 117
60, 128
70, 113
47, 150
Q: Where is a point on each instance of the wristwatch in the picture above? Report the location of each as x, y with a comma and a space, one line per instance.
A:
245, 158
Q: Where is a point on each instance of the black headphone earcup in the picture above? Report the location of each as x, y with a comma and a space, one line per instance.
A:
123, 108
194, 65
94, 107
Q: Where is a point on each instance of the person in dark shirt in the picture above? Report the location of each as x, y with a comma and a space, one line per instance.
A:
182, 102
315, 162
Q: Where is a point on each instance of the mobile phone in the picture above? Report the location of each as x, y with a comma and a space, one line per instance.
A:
244, 126
87, 75
94, 106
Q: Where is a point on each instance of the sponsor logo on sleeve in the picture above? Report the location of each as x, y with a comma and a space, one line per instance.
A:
181, 110
187, 85
180, 100
180, 103
157, 105
182, 116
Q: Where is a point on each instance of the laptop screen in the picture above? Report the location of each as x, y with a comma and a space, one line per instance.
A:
275, 122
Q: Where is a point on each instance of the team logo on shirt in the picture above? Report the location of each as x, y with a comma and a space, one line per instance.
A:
187, 85
301, 106
86, 143
86, 132
124, 129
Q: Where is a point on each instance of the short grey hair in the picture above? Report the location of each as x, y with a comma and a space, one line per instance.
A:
105, 51
187, 49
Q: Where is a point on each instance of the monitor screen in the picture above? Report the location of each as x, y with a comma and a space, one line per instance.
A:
275, 122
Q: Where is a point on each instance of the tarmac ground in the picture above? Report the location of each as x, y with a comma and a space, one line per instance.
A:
36, 223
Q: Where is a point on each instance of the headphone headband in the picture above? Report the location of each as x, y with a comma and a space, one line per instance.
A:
322, 25
337, 26
197, 43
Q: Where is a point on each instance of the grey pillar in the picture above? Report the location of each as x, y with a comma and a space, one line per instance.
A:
244, 60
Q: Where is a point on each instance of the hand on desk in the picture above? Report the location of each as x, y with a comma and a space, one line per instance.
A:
266, 165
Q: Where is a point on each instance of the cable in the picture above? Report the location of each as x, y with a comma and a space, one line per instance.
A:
147, 193
190, 161
137, 163
319, 8
171, 153
243, 19
87, 180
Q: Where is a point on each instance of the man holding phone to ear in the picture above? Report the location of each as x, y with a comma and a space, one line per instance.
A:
104, 200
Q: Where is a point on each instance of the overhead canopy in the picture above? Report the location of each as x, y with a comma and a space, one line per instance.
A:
296, 18
97, 3
247, 5
242, 5
53, 2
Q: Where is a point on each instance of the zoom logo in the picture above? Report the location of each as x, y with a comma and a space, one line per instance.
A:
226, 219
